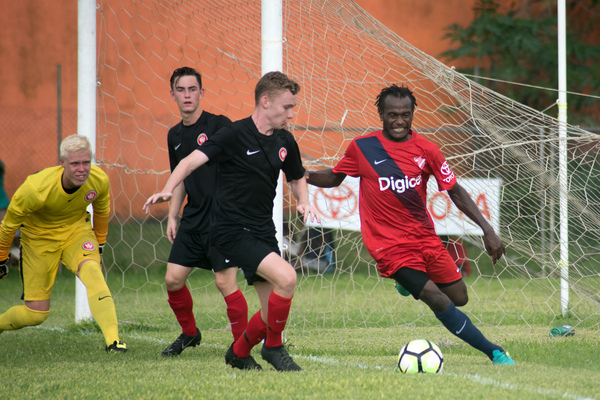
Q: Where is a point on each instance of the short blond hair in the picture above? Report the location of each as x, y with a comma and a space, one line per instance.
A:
74, 144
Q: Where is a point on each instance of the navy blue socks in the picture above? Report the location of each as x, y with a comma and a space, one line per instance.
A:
460, 325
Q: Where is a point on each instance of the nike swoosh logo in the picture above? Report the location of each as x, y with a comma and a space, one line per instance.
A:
461, 328
252, 152
88, 254
102, 298
379, 161
280, 322
176, 147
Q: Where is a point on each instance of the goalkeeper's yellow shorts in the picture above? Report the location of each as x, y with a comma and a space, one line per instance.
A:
40, 260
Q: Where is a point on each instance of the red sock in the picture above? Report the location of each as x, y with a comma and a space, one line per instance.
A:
182, 305
237, 312
279, 310
255, 332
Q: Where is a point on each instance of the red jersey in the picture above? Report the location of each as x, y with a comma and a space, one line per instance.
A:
393, 188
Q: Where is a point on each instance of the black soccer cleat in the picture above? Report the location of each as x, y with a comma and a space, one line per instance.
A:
116, 347
279, 358
183, 341
241, 362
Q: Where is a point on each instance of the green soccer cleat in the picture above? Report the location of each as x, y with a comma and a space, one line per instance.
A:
502, 358
401, 290
117, 347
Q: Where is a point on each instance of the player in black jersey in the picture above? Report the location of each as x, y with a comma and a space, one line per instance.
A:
191, 247
250, 154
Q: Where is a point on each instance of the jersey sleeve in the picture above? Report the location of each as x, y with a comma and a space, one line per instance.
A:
349, 163
441, 169
172, 157
101, 207
25, 201
220, 146
292, 165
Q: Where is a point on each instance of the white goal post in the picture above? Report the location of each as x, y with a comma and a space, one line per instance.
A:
86, 111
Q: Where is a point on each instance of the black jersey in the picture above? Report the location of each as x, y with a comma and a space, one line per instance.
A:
200, 185
249, 168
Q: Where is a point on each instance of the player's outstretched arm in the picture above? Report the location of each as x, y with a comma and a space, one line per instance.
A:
324, 178
183, 169
300, 190
493, 243
174, 207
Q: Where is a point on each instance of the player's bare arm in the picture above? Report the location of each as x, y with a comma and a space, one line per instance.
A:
174, 208
300, 190
324, 178
493, 243
182, 171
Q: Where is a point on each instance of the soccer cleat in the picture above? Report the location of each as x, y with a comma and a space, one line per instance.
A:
117, 347
279, 358
181, 343
241, 362
502, 358
401, 290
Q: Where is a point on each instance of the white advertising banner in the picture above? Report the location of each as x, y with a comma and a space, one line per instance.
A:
339, 206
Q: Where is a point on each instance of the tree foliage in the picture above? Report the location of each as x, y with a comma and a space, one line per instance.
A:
521, 45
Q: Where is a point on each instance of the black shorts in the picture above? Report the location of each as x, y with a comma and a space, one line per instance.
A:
194, 250
245, 248
414, 280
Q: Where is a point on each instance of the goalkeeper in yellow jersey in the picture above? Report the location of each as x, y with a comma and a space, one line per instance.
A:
50, 207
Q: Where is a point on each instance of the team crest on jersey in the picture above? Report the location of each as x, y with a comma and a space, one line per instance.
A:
282, 153
420, 161
202, 138
88, 246
91, 195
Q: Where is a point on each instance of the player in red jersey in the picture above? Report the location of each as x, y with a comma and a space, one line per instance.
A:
394, 165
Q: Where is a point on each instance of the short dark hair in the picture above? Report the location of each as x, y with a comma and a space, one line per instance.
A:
272, 83
185, 71
396, 91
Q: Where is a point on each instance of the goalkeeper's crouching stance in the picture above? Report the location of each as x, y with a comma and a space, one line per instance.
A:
50, 208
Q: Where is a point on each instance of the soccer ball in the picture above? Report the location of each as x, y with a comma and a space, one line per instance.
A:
420, 356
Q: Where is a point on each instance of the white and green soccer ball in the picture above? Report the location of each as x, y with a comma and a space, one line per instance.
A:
420, 356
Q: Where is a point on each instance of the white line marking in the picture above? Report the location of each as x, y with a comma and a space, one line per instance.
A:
476, 378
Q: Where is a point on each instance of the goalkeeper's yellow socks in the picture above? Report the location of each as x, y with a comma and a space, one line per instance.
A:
102, 307
101, 302
19, 317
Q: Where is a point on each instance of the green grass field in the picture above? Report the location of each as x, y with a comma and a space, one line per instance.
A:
342, 356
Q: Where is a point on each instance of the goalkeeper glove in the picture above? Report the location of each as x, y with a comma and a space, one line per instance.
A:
101, 249
3, 268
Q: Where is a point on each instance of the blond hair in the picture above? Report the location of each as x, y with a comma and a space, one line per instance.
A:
74, 144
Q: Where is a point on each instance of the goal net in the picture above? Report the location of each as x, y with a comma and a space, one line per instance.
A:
506, 154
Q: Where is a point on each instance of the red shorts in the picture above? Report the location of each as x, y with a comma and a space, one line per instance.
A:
429, 256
